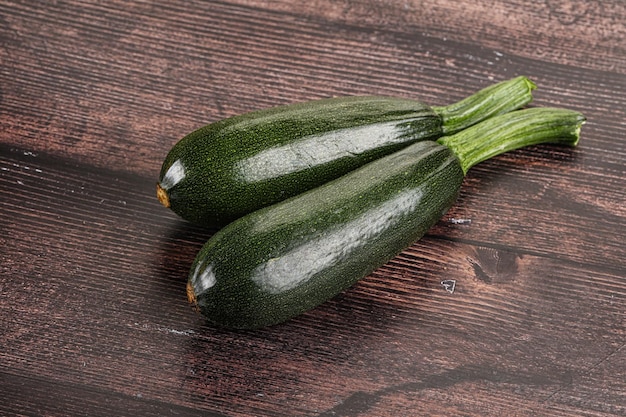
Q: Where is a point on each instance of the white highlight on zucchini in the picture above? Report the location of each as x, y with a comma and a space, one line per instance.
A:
203, 278
313, 256
173, 176
319, 149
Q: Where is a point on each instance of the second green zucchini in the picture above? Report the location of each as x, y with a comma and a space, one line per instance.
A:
282, 260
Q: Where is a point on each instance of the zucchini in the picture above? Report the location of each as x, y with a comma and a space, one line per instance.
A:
235, 166
277, 262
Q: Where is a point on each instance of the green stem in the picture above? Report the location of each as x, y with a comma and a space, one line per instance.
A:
496, 99
513, 131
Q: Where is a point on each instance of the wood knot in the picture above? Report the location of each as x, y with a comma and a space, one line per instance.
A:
494, 266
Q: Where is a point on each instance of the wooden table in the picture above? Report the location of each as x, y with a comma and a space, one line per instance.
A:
94, 317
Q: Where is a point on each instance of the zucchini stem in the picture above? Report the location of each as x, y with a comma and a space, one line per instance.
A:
512, 131
496, 99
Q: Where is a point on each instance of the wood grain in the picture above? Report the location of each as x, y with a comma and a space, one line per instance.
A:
584, 34
93, 313
113, 97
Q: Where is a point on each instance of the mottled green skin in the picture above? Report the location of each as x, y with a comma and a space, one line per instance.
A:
282, 260
243, 163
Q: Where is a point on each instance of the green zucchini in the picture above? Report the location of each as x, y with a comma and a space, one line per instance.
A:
277, 262
235, 166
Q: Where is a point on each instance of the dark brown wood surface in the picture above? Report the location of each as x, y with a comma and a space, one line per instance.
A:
93, 313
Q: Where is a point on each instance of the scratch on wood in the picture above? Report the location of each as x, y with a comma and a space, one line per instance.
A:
449, 285
360, 402
586, 371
